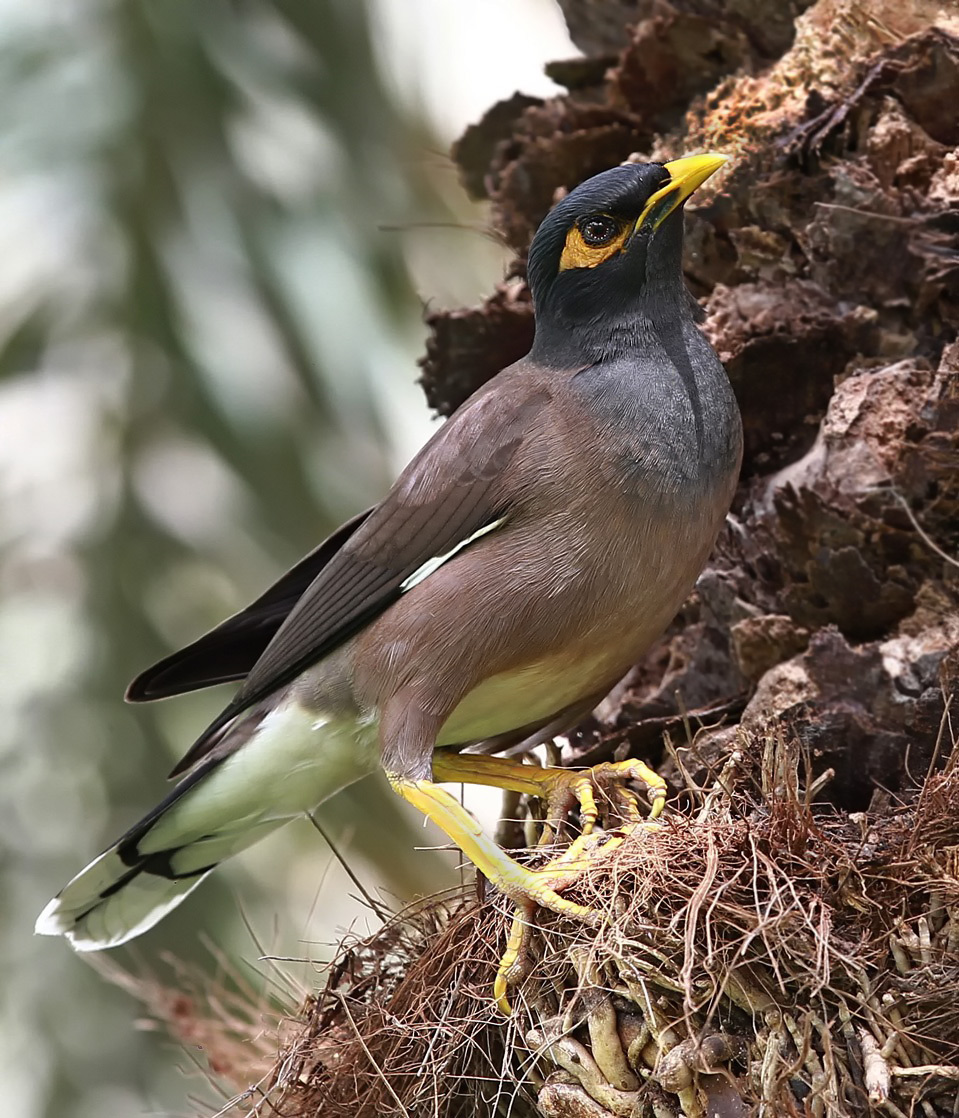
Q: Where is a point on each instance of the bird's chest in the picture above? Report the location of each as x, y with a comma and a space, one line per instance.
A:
592, 612
666, 434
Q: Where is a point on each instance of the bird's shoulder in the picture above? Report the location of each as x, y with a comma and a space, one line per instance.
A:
457, 486
477, 442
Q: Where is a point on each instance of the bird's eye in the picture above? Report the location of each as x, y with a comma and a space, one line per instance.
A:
598, 229
592, 240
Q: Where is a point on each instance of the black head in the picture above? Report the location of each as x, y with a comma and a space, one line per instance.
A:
613, 246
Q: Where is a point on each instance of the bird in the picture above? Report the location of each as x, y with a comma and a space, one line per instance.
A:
523, 561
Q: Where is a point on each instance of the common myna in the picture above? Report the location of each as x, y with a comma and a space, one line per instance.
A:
523, 561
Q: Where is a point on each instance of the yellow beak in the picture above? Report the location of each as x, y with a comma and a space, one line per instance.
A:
685, 176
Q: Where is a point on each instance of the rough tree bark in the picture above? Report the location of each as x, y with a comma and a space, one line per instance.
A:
788, 945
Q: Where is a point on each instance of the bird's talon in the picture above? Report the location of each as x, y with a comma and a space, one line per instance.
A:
564, 788
517, 958
601, 796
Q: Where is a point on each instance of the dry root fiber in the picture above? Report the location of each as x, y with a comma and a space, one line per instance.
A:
763, 954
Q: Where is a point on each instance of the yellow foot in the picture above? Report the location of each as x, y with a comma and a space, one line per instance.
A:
583, 855
599, 792
560, 789
566, 787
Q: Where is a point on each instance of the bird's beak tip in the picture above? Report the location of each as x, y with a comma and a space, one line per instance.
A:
692, 171
685, 176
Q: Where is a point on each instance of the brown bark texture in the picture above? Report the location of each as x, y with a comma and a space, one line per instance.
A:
788, 944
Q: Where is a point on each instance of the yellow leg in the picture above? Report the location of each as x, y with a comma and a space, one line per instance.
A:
518, 882
561, 789
526, 887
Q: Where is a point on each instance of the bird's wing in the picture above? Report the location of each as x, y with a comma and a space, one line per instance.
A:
454, 491
229, 651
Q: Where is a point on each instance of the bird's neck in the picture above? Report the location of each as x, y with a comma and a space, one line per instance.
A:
588, 340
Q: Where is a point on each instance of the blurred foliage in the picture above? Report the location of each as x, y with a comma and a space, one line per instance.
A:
206, 361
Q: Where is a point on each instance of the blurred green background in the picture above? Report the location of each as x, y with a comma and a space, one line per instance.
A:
219, 222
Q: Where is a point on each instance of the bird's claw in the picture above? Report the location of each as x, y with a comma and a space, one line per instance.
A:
566, 788
616, 806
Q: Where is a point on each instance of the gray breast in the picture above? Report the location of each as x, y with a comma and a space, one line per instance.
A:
667, 416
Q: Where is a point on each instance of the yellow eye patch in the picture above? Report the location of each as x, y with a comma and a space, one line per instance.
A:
579, 253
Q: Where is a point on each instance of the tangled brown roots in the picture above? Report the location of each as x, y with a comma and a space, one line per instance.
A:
760, 949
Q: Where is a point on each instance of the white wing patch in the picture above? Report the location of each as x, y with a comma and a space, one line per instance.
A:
434, 564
